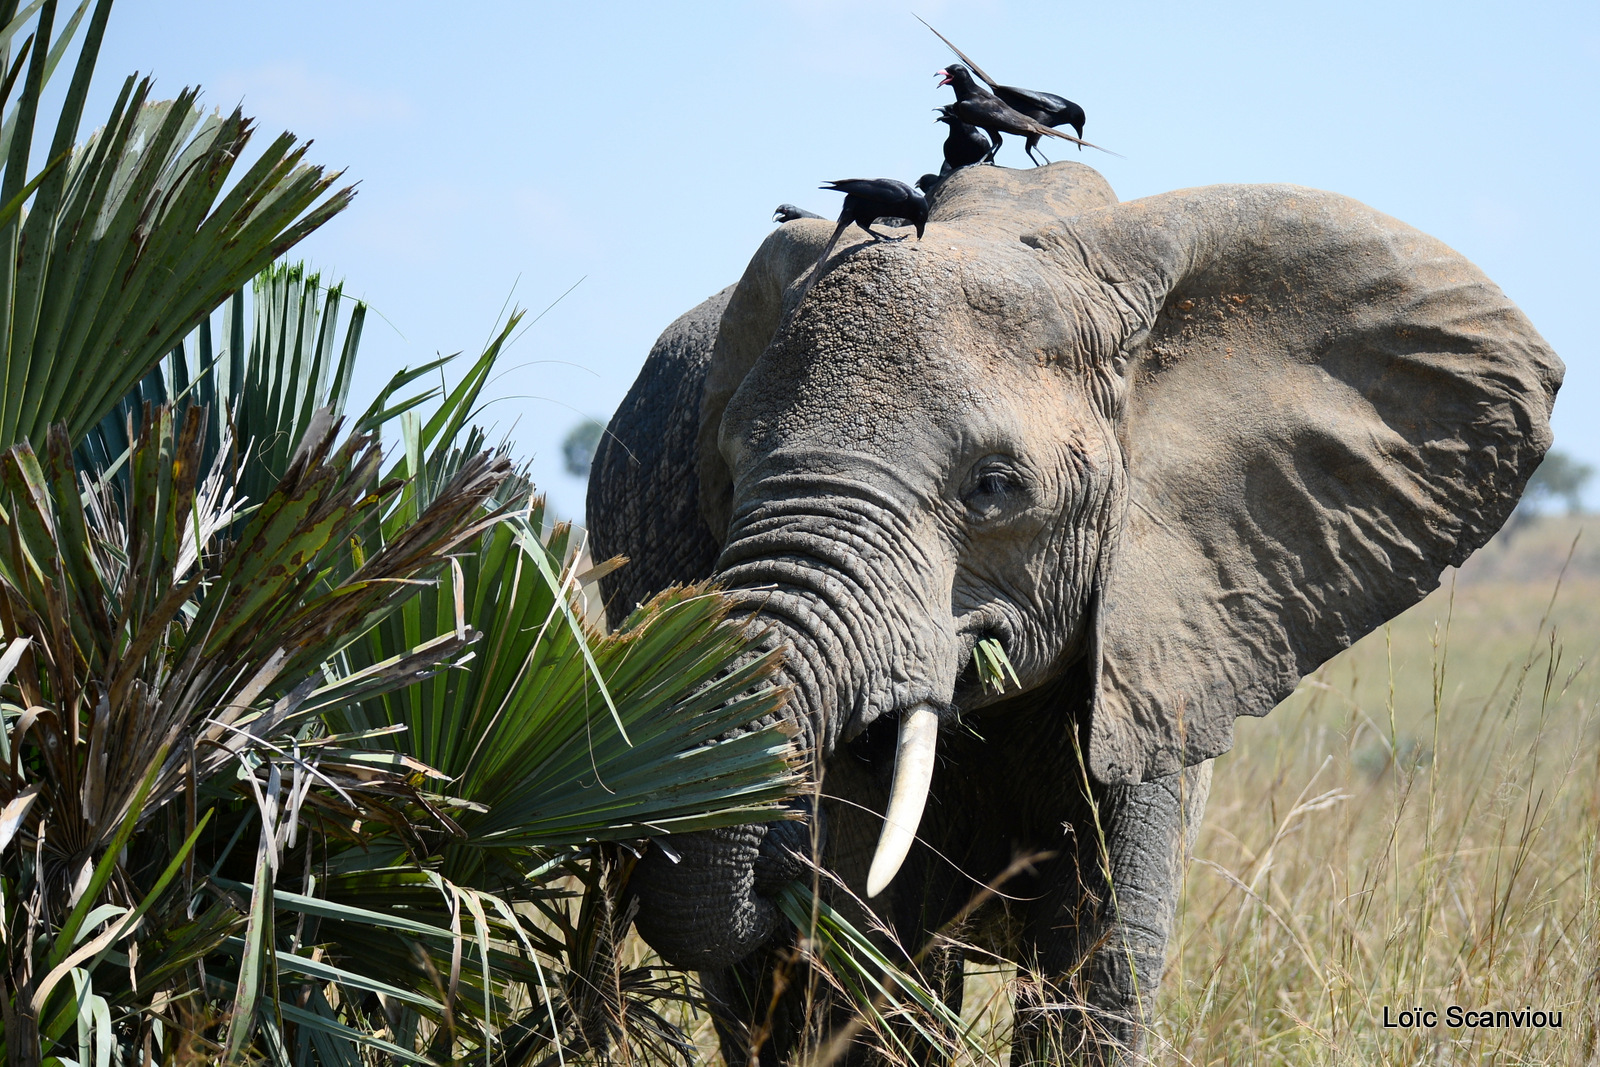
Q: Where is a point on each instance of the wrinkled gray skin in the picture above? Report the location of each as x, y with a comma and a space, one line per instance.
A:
1173, 454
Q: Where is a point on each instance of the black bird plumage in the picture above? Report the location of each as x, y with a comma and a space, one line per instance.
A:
965, 144
866, 200
977, 106
1047, 109
790, 212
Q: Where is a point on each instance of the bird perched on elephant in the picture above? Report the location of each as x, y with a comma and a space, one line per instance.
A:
964, 145
1170, 454
790, 212
977, 106
866, 200
1045, 108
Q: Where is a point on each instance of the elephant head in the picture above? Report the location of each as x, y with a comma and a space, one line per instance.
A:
1189, 446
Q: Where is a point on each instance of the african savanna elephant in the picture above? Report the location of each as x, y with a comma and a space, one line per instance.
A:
1171, 454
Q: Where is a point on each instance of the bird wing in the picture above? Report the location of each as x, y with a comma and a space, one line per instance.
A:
1033, 98
975, 68
872, 188
1011, 120
993, 112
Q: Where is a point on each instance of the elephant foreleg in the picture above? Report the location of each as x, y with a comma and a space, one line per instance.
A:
1095, 950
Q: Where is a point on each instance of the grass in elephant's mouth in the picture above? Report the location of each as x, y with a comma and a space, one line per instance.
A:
1415, 828
994, 666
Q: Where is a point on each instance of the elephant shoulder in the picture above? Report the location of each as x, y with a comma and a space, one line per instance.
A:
644, 489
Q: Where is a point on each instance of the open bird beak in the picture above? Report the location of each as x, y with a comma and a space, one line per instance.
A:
945, 74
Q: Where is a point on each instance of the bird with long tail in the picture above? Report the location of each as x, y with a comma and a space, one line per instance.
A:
1046, 109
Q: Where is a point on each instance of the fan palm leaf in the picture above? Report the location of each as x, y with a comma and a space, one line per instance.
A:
142, 665
274, 361
542, 777
130, 239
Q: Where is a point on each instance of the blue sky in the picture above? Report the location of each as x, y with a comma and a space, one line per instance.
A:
641, 147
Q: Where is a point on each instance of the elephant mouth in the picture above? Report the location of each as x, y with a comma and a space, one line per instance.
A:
972, 692
916, 749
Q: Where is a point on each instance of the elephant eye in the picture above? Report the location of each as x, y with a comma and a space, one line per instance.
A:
990, 483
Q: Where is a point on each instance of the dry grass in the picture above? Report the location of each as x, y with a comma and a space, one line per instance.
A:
1415, 827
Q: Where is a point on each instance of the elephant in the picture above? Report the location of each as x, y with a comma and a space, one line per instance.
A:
1171, 454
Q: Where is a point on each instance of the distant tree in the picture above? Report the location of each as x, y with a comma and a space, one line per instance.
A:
1559, 477
579, 447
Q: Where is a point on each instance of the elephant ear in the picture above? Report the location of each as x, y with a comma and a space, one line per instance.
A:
992, 200
644, 497
1323, 409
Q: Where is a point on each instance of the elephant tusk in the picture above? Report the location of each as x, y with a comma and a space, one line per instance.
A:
913, 771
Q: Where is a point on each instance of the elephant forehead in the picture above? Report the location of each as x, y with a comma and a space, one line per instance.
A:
902, 332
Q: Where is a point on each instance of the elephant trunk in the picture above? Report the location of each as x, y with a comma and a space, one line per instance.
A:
861, 641
698, 905
704, 898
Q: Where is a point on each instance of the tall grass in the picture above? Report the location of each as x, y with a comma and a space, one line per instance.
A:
1416, 827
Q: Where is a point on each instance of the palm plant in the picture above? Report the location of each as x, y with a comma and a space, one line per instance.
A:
222, 627
553, 741
181, 670
544, 778
148, 654
614, 738
129, 239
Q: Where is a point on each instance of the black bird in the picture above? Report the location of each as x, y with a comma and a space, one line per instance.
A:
965, 145
978, 107
866, 200
1047, 109
789, 212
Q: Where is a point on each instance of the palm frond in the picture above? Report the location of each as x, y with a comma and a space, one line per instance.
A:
130, 239
526, 734
150, 654
286, 353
